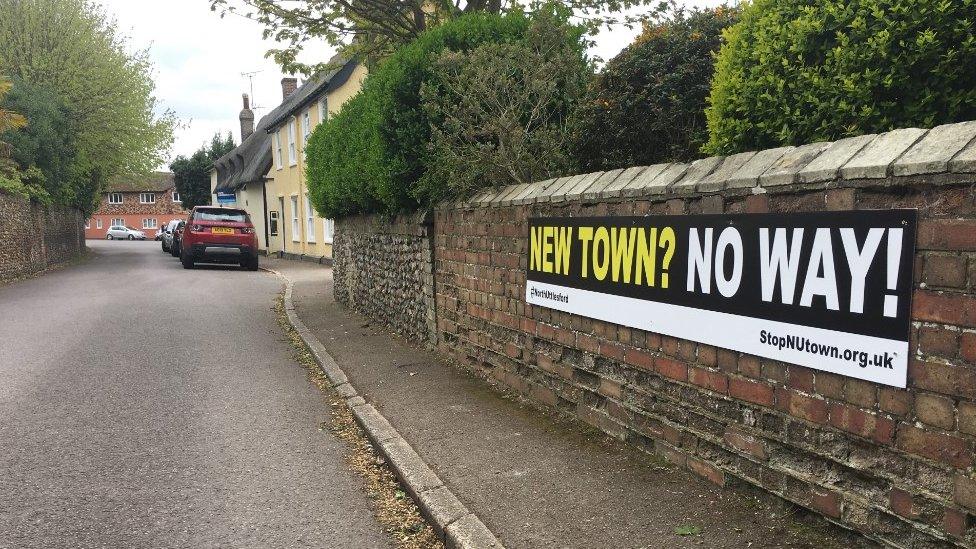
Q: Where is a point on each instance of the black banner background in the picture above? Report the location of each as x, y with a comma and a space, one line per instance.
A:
748, 299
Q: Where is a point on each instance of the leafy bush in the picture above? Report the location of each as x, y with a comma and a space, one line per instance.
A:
500, 112
793, 72
371, 156
647, 104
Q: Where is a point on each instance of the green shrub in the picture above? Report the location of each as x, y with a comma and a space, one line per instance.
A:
370, 157
793, 71
647, 104
500, 113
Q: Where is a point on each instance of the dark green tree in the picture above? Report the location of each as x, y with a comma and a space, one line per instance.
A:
648, 103
48, 143
192, 174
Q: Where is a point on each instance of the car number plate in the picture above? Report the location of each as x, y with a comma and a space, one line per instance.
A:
221, 230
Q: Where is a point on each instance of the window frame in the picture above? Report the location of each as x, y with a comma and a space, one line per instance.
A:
150, 223
306, 128
114, 224
292, 145
309, 221
273, 221
296, 229
328, 231
144, 195
111, 198
98, 224
276, 148
323, 108
175, 197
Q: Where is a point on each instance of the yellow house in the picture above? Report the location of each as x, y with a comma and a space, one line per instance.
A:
265, 174
294, 228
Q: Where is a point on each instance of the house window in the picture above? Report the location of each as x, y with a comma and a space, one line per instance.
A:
309, 220
115, 198
294, 219
118, 222
149, 223
328, 226
147, 198
176, 196
306, 128
323, 109
88, 223
292, 153
98, 223
276, 139
273, 222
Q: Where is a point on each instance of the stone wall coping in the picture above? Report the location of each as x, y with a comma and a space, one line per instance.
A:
942, 155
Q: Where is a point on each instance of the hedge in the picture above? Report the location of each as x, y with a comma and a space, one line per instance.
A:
647, 104
370, 156
795, 71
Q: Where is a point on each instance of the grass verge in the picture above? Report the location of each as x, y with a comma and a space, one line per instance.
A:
394, 509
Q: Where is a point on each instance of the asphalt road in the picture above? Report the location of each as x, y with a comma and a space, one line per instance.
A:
143, 405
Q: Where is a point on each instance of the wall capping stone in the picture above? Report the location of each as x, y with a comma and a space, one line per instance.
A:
898, 157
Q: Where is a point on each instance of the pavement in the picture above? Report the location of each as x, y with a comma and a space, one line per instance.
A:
536, 479
144, 405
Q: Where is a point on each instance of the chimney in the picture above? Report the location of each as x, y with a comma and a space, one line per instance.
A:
288, 87
247, 119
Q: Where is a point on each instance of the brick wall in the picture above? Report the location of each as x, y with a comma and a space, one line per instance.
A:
383, 269
33, 238
894, 464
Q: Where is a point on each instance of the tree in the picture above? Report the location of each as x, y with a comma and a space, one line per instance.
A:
648, 103
371, 156
373, 30
47, 143
795, 72
192, 175
11, 179
500, 113
73, 50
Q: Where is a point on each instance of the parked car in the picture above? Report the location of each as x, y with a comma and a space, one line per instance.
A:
167, 237
174, 248
121, 232
159, 234
219, 235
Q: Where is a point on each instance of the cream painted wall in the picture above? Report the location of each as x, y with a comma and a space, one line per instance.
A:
288, 180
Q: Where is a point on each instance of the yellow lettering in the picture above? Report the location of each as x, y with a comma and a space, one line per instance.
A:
585, 236
547, 233
563, 240
536, 260
646, 257
623, 252
601, 259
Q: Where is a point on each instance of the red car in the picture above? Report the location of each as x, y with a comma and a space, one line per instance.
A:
219, 235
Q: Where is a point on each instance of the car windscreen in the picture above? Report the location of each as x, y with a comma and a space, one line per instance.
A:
130, 228
231, 216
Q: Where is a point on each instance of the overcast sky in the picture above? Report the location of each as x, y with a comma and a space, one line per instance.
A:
201, 59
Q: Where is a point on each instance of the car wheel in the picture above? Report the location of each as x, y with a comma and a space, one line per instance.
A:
186, 259
250, 264
131, 237
109, 237
165, 249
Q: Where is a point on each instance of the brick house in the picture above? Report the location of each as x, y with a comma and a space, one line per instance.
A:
144, 203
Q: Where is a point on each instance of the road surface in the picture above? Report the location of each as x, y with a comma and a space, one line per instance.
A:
144, 405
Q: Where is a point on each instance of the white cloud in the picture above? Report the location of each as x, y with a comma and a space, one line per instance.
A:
200, 59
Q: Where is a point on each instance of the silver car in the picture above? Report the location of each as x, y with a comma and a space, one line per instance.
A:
121, 232
167, 238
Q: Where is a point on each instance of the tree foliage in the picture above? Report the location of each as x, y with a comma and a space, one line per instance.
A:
373, 30
192, 174
371, 156
500, 113
73, 50
647, 104
795, 71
